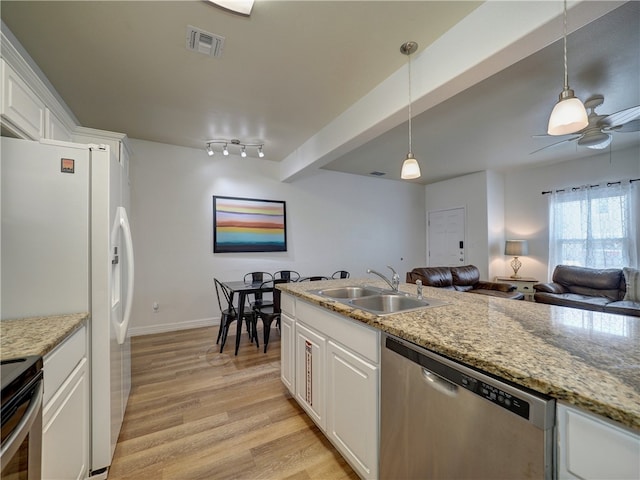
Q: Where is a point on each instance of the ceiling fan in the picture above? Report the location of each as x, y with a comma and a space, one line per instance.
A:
598, 134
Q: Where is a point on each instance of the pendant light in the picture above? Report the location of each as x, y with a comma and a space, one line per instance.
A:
569, 114
410, 167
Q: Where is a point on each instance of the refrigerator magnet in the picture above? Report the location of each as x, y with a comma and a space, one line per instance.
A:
67, 165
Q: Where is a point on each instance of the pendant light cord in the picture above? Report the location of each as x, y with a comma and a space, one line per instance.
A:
410, 103
564, 25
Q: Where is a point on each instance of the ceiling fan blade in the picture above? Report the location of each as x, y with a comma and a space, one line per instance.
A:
632, 126
555, 144
622, 117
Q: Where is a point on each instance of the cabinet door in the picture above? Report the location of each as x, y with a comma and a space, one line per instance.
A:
287, 351
593, 447
55, 129
22, 111
310, 373
65, 432
352, 408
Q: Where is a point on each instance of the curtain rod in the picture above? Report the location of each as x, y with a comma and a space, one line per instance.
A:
573, 189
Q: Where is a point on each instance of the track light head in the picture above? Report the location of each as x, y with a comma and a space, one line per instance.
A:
225, 152
243, 153
260, 152
209, 150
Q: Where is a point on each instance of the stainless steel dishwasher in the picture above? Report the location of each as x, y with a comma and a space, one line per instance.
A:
442, 420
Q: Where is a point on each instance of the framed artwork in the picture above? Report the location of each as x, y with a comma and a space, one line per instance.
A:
249, 225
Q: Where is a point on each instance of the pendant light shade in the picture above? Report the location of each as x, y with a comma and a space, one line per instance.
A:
410, 166
569, 114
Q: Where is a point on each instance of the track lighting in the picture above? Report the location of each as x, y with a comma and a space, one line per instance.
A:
210, 144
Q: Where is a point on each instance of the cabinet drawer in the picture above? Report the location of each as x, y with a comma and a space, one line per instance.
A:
354, 335
59, 364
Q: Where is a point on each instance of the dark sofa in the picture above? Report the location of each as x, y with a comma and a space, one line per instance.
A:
601, 290
462, 279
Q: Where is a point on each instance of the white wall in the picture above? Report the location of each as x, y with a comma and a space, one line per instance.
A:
470, 192
526, 213
334, 221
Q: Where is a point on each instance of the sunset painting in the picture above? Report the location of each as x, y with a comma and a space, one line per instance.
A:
248, 225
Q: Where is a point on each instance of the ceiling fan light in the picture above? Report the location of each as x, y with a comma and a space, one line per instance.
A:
410, 168
568, 115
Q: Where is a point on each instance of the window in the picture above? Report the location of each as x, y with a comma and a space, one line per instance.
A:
594, 226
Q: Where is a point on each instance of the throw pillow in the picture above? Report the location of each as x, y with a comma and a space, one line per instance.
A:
632, 278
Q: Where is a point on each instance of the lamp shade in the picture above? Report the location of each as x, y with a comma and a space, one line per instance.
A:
516, 248
568, 116
410, 168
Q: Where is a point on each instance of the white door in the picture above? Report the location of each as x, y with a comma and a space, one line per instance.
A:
446, 241
112, 271
45, 228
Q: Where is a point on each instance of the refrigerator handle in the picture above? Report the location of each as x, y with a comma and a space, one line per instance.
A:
123, 223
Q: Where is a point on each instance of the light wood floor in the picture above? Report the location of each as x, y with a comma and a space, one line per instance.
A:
196, 414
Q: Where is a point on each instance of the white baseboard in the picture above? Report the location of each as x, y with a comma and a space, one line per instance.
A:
172, 327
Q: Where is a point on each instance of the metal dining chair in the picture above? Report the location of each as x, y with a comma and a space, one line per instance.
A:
340, 274
229, 314
268, 313
290, 275
258, 277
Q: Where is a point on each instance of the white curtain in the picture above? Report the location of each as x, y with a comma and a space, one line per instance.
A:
595, 226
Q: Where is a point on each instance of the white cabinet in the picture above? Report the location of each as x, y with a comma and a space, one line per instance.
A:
21, 110
336, 380
310, 372
592, 447
65, 417
55, 129
352, 408
287, 351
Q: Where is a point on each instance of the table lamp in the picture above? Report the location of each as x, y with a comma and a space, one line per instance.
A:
516, 248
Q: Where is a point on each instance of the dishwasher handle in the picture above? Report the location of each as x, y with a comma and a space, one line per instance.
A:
440, 384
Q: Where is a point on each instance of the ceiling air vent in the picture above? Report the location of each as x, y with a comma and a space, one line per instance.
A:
377, 174
204, 42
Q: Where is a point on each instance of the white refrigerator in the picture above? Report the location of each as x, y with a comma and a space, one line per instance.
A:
65, 248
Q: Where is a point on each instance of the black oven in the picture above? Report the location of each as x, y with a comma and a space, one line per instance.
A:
21, 432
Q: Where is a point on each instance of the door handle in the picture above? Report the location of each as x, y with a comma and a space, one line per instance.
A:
441, 384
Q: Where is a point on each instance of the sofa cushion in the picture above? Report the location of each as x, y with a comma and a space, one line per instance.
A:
433, 276
632, 280
585, 302
589, 282
624, 307
466, 276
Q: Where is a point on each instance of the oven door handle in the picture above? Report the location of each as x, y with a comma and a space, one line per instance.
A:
12, 444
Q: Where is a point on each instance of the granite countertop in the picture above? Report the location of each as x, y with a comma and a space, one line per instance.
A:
37, 335
588, 359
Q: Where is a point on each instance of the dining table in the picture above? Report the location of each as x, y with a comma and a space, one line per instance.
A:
242, 289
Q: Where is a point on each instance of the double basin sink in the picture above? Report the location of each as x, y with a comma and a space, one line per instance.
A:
377, 300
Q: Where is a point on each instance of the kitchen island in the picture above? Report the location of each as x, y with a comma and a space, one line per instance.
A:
588, 359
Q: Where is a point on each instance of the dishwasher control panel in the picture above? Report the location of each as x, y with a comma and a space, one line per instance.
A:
495, 395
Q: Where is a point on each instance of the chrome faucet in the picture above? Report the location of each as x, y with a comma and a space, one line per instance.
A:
394, 283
